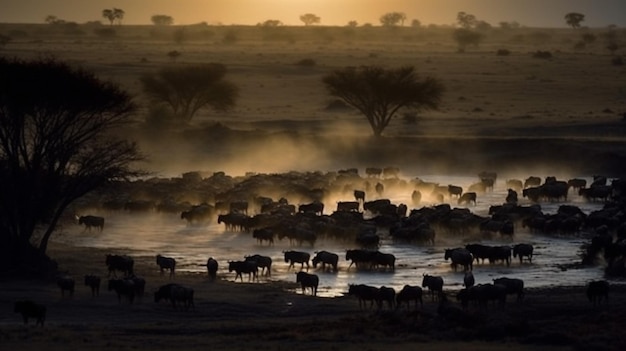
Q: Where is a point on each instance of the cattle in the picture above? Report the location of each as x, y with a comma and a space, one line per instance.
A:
211, 266
123, 264
459, 256
386, 294
468, 279
598, 290
91, 221
467, 198
182, 295
512, 285
365, 293
240, 267
66, 283
326, 258
293, 257
511, 197
359, 195
123, 287
166, 263
407, 294
307, 280
523, 250
359, 257
434, 284
454, 190
316, 208
93, 281
263, 262
348, 206
29, 309
264, 234
532, 181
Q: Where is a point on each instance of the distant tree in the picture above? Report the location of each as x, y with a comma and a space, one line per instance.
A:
392, 19
51, 19
483, 26
113, 15
466, 20
162, 20
416, 23
574, 19
353, 24
380, 93
57, 144
509, 25
465, 37
309, 19
271, 23
173, 55
186, 90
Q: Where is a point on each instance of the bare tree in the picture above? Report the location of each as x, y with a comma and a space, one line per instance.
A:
574, 19
56, 145
310, 19
162, 20
186, 90
380, 93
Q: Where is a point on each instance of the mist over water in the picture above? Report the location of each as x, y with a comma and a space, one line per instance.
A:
554, 261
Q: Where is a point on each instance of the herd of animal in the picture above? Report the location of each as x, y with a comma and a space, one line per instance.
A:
365, 223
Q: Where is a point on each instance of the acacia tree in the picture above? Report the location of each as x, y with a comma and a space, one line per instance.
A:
380, 93
56, 146
309, 19
186, 90
113, 14
391, 19
162, 20
574, 19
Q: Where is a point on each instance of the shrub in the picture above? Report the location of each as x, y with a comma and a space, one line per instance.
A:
542, 54
306, 62
503, 52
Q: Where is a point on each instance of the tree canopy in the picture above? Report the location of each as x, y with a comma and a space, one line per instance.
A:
309, 19
392, 19
56, 144
186, 90
113, 15
380, 93
574, 19
162, 20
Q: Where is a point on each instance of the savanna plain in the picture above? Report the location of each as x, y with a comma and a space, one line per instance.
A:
515, 114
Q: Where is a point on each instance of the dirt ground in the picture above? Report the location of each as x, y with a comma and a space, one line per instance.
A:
277, 316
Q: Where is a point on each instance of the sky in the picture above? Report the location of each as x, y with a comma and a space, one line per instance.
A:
530, 13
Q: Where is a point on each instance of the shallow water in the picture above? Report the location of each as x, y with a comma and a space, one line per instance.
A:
167, 234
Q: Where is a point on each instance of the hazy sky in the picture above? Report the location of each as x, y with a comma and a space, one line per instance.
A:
533, 13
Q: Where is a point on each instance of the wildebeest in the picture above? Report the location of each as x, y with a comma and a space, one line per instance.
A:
598, 290
380, 188
500, 253
512, 285
264, 234
239, 207
511, 197
386, 294
166, 263
91, 221
460, 256
211, 267
241, 267
384, 259
479, 251
198, 213
66, 283
93, 281
455, 190
123, 264
407, 294
416, 197
532, 181
123, 287
359, 195
326, 258
514, 184
182, 295
433, 283
315, 207
29, 309
365, 293
293, 257
358, 257
523, 250
482, 294
468, 279
307, 280
164, 292
348, 206
467, 198
263, 262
